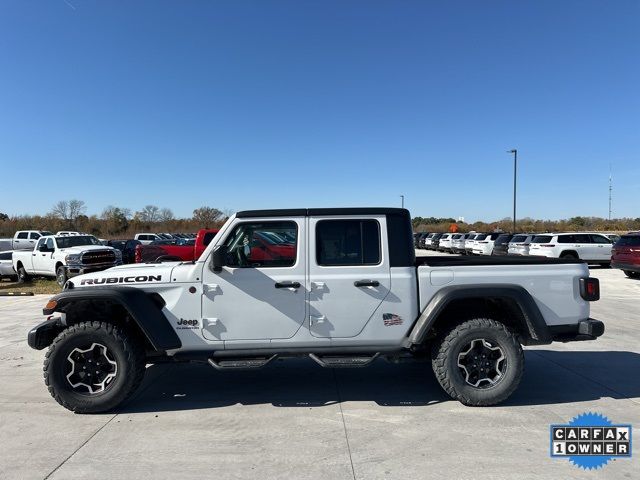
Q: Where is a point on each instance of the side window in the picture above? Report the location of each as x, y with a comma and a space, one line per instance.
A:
50, 244
262, 244
40, 243
347, 242
583, 238
566, 239
34, 236
23, 235
599, 239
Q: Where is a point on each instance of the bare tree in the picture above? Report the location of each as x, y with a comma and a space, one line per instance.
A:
61, 210
148, 214
206, 216
76, 208
166, 215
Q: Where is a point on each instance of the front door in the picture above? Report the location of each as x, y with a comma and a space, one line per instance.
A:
42, 260
349, 273
261, 292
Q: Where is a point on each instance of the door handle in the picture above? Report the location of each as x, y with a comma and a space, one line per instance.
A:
366, 283
287, 285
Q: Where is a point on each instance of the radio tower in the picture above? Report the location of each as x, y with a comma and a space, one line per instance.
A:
610, 188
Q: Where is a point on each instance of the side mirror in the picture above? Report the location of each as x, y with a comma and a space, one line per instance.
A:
219, 257
43, 248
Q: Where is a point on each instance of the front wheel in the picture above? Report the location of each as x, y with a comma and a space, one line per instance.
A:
61, 275
93, 367
480, 362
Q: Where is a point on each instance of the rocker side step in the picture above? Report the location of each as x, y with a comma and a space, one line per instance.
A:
346, 361
241, 363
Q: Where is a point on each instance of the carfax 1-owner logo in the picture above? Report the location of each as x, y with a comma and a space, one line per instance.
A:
590, 440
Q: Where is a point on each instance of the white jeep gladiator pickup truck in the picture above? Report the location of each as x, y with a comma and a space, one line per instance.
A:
64, 256
341, 286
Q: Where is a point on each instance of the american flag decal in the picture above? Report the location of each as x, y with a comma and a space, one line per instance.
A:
391, 319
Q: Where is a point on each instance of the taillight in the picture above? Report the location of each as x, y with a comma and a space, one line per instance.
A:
590, 289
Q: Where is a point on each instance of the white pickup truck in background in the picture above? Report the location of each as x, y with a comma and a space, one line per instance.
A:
64, 256
26, 239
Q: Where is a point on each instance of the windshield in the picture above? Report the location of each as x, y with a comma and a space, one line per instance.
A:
481, 236
76, 241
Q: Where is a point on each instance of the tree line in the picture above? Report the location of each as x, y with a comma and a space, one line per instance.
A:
113, 222
124, 223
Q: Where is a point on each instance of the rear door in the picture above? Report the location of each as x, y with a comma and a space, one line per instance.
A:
584, 246
349, 273
602, 247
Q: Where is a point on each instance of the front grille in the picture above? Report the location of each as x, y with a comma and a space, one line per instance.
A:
98, 257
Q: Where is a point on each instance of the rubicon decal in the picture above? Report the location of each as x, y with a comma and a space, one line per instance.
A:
590, 440
112, 280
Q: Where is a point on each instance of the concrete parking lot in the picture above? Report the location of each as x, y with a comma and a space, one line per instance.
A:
296, 420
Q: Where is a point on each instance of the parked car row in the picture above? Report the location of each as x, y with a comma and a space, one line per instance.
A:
621, 252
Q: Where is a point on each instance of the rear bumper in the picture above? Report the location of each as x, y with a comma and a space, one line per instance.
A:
625, 266
588, 329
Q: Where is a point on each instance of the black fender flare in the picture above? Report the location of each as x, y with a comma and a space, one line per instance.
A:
143, 308
535, 325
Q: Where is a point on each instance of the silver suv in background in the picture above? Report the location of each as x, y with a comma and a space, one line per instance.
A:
457, 242
445, 242
469, 242
519, 244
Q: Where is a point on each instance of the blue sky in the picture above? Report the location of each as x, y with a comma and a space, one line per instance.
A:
260, 104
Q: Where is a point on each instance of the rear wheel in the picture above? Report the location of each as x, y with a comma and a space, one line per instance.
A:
93, 367
631, 274
23, 276
569, 256
479, 362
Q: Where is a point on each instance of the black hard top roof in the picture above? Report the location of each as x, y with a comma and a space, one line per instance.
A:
307, 212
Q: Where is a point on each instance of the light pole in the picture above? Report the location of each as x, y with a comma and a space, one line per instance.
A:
515, 173
402, 197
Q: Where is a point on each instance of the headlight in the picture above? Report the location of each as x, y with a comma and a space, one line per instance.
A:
73, 258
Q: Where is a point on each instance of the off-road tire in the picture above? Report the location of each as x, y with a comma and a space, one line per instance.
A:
127, 351
444, 360
61, 275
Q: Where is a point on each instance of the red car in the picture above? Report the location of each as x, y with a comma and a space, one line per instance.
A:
625, 255
181, 250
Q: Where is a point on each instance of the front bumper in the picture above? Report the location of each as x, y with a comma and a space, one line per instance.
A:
42, 335
588, 329
73, 270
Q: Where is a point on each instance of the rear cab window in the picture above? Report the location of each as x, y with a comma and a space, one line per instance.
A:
348, 243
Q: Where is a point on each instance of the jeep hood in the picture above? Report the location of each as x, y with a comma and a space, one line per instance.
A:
128, 275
